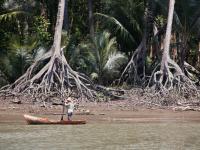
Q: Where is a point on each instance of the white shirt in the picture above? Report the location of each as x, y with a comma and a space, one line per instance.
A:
70, 107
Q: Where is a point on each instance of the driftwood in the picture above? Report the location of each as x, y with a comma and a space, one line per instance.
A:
192, 72
16, 102
185, 108
115, 94
75, 113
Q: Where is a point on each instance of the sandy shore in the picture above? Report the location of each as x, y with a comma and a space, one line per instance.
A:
98, 113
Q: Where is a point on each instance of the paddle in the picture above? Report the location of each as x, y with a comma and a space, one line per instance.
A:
53, 114
63, 102
63, 110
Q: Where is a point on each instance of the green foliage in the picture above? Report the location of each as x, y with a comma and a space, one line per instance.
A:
10, 16
26, 27
78, 55
125, 19
187, 15
119, 27
18, 56
99, 58
160, 20
41, 26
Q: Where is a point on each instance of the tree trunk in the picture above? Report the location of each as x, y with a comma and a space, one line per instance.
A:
58, 28
166, 76
198, 56
154, 55
43, 9
183, 51
56, 76
165, 55
66, 17
136, 66
178, 46
140, 63
91, 21
174, 48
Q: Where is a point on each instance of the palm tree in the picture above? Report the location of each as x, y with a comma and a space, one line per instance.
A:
19, 56
15, 9
132, 26
102, 59
124, 19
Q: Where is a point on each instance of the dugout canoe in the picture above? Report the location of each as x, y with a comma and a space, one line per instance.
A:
40, 121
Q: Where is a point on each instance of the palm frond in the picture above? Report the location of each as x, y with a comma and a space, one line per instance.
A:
177, 20
115, 61
119, 27
6, 67
24, 55
29, 43
13, 14
39, 53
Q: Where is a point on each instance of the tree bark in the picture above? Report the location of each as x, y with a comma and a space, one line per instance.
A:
66, 17
91, 21
165, 55
58, 28
43, 9
174, 48
183, 50
199, 55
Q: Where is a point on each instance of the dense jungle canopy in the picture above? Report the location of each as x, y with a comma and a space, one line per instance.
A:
56, 45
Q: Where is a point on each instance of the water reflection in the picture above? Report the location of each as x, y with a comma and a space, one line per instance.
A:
137, 136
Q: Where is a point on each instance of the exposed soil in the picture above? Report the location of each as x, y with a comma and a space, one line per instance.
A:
93, 112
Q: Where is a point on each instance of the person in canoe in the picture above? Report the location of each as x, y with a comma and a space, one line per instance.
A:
70, 107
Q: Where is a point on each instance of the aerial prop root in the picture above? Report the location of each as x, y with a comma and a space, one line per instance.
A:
171, 77
56, 76
132, 65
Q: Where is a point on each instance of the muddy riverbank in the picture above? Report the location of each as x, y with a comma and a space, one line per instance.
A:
115, 112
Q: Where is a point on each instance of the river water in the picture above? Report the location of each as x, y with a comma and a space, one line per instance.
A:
114, 136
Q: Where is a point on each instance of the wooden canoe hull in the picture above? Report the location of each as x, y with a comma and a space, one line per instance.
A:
39, 121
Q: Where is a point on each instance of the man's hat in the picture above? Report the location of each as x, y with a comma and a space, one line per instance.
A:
69, 99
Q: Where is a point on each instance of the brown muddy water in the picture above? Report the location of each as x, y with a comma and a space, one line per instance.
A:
114, 136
